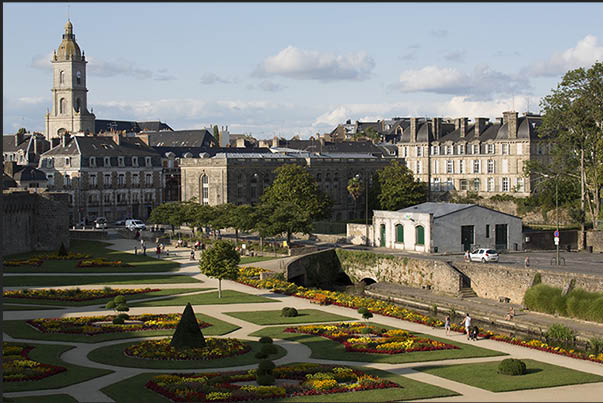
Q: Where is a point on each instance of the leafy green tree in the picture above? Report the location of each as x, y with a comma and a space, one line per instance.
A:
396, 188
242, 219
573, 124
200, 215
296, 190
216, 134
220, 261
354, 190
171, 213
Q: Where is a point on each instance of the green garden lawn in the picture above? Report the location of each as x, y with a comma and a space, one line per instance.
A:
275, 318
207, 298
49, 281
96, 249
326, 349
484, 376
49, 354
132, 389
19, 329
101, 301
114, 355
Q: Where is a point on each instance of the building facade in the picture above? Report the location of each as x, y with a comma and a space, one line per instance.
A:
242, 178
114, 177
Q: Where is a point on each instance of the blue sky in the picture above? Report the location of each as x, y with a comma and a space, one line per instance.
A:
296, 69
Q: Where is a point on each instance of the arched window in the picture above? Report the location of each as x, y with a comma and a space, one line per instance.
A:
63, 105
420, 235
400, 233
77, 105
62, 77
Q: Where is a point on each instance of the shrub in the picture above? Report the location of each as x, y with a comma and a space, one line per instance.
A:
434, 308
110, 305
260, 355
537, 279
595, 311
596, 345
512, 366
123, 316
265, 367
188, 334
540, 298
265, 380
118, 321
289, 312
269, 349
62, 250
366, 314
560, 335
122, 308
120, 299
266, 340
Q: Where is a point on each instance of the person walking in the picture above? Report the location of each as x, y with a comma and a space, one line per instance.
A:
447, 325
192, 254
158, 251
467, 323
144, 248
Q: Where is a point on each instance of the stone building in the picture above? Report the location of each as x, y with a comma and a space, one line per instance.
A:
25, 176
34, 221
24, 148
114, 177
446, 228
241, 178
483, 157
69, 112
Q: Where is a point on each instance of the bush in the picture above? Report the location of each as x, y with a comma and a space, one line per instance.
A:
120, 299
118, 321
289, 312
266, 340
188, 334
434, 308
540, 298
265, 367
366, 314
265, 380
122, 307
560, 335
537, 279
269, 349
596, 345
260, 355
123, 316
62, 250
110, 305
512, 366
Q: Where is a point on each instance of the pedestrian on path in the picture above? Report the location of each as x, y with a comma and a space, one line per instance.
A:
527, 262
466, 256
447, 325
511, 314
467, 324
192, 254
158, 251
144, 248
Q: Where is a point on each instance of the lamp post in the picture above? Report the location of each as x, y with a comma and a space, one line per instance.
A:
556, 209
358, 176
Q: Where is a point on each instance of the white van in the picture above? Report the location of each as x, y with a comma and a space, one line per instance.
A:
134, 225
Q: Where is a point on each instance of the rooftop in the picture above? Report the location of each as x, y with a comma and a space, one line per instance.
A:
437, 209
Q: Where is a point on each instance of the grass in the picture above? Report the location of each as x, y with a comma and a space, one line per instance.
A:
484, 376
49, 354
323, 348
11, 307
254, 259
114, 355
47, 281
208, 298
132, 389
275, 318
96, 249
102, 301
19, 329
41, 399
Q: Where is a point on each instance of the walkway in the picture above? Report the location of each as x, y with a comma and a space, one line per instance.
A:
89, 391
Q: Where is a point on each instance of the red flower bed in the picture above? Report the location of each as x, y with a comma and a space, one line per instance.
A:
75, 295
17, 366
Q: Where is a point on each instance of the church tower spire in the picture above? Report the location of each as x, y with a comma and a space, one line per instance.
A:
69, 112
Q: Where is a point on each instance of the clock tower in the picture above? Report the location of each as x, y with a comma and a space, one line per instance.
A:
69, 112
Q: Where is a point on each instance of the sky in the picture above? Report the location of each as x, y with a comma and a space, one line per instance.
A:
286, 69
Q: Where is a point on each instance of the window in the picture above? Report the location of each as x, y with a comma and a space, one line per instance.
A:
464, 185
476, 166
520, 185
107, 198
462, 166
147, 161
476, 185
449, 167
121, 180
92, 161
62, 77
487, 230
50, 178
505, 184
449, 184
489, 148
519, 149
436, 166
134, 161
435, 150
67, 161
135, 179
490, 166
67, 180
460, 149
419, 170
475, 148
107, 161
505, 166
449, 150
505, 149
135, 197
107, 180
419, 151
405, 151
436, 184
93, 180
121, 161
148, 180
490, 185
63, 105
420, 235
205, 193
400, 233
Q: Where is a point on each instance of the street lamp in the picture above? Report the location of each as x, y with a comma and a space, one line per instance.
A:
365, 207
556, 207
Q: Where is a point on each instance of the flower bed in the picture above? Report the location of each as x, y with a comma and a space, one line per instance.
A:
39, 259
315, 379
75, 294
18, 367
102, 263
161, 350
88, 325
23, 262
389, 309
360, 337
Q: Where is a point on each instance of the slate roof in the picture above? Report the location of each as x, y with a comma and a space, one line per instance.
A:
8, 143
211, 151
438, 209
28, 173
8, 182
358, 147
106, 125
181, 138
102, 146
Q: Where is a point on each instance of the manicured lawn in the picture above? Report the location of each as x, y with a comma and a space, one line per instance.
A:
275, 318
323, 348
47, 281
132, 389
208, 298
96, 249
253, 259
484, 376
102, 301
114, 355
41, 399
49, 354
11, 307
19, 329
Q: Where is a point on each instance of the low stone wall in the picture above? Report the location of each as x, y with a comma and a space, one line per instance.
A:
494, 280
595, 239
302, 250
356, 234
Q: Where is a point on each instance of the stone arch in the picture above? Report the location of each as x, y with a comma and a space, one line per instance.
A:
368, 281
62, 105
78, 104
62, 77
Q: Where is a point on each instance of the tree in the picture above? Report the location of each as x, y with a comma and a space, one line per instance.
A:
200, 215
396, 188
242, 218
217, 135
171, 213
188, 334
573, 124
297, 191
22, 130
220, 261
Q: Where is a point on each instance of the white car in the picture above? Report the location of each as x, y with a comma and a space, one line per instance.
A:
134, 225
483, 255
100, 223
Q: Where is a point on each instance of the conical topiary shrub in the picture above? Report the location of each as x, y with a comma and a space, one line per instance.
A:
188, 334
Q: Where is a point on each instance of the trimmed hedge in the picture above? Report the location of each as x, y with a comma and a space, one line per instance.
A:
289, 312
512, 366
578, 303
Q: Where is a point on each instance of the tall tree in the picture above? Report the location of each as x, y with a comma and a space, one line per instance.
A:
220, 261
573, 124
242, 219
354, 190
171, 213
397, 188
295, 189
217, 135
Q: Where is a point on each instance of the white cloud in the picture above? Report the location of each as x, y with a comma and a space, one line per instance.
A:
213, 78
304, 64
586, 52
270, 86
483, 82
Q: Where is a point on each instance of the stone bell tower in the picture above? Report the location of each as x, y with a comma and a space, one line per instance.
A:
69, 112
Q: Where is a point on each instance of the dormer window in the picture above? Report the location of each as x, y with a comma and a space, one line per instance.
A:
67, 161
134, 161
107, 161
147, 161
92, 161
120, 161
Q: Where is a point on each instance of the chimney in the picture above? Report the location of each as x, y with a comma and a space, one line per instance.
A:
65, 140
35, 145
500, 121
511, 119
480, 126
55, 141
10, 167
436, 128
463, 126
117, 138
144, 138
413, 130
19, 139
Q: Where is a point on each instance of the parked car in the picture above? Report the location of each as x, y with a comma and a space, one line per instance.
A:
121, 222
483, 255
100, 223
134, 225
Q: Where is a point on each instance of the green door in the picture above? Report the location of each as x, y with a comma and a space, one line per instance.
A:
382, 235
420, 235
400, 233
